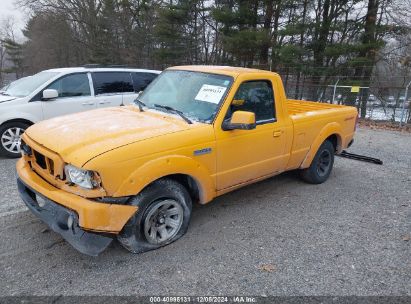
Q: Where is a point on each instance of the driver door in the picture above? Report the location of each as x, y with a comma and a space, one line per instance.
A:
74, 96
245, 155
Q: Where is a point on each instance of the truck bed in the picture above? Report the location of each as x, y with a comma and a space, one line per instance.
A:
296, 107
311, 118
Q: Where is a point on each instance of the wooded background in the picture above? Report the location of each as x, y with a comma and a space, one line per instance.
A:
312, 44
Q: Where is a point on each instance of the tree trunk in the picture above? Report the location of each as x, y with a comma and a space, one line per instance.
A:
368, 52
265, 46
301, 45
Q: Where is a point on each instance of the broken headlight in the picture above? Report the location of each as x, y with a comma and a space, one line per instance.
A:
25, 149
83, 178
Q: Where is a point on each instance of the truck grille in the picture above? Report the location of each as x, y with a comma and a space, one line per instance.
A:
40, 160
50, 167
44, 162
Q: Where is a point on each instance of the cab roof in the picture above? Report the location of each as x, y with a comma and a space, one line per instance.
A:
218, 69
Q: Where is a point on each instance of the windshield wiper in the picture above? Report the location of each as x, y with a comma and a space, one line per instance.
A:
4, 93
172, 110
140, 104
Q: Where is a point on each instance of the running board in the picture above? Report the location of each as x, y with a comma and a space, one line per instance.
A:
360, 157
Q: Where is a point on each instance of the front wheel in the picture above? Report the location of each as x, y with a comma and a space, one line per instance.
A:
321, 166
163, 216
10, 134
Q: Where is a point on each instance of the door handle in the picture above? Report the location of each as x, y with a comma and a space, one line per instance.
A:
277, 133
104, 102
88, 103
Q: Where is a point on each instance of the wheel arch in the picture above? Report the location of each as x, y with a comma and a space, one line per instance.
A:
331, 132
22, 120
192, 175
336, 140
187, 181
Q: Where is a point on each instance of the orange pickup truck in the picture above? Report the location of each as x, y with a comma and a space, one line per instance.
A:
195, 133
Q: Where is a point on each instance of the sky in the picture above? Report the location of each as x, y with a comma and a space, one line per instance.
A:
7, 8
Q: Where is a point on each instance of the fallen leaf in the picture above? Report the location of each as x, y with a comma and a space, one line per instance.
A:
385, 125
267, 268
406, 237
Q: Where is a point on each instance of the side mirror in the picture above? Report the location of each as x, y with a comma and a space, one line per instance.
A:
241, 120
50, 94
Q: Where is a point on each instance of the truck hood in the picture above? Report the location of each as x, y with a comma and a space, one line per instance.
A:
77, 138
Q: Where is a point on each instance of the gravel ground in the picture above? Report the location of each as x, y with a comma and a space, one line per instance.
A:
278, 237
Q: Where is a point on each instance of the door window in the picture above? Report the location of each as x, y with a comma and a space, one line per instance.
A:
112, 82
256, 97
73, 85
142, 80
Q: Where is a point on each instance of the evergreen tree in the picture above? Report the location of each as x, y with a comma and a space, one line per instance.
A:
15, 52
170, 33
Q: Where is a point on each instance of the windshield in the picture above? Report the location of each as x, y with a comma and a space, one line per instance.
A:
197, 95
26, 85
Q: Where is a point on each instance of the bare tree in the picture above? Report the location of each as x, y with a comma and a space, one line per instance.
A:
7, 33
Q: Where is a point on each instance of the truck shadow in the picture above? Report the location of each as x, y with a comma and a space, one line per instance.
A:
253, 198
219, 207
252, 191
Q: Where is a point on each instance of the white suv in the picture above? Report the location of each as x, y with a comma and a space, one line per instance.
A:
63, 91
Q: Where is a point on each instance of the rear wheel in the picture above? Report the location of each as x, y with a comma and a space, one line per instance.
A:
321, 166
163, 217
10, 134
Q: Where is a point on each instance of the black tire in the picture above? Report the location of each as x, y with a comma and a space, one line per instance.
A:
321, 166
134, 236
5, 148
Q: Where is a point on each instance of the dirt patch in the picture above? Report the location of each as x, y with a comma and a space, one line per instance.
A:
384, 125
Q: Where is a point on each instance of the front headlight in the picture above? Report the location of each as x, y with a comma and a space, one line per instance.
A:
80, 177
25, 149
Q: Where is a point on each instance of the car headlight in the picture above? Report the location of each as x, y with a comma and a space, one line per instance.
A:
83, 178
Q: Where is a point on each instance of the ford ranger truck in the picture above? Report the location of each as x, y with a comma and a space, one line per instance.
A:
195, 133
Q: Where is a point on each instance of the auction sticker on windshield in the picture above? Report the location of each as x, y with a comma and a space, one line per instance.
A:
210, 93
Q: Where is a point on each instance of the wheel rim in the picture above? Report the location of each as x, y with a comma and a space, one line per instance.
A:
11, 139
324, 163
163, 221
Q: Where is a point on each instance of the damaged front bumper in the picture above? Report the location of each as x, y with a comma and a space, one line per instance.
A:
63, 221
88, 225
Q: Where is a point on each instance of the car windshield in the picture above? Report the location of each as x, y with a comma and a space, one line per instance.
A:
197, 95
26, 85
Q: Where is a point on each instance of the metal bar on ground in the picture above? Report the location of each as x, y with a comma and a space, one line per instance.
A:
360, 157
